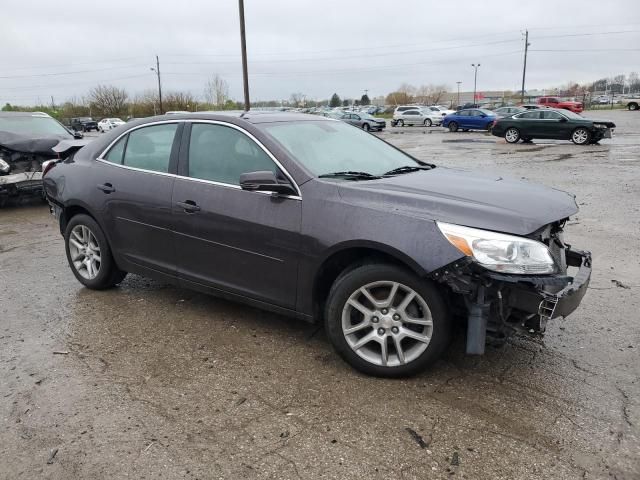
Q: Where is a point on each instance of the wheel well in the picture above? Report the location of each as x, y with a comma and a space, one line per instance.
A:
343, 261
69, 213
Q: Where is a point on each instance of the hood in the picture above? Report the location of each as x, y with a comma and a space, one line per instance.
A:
486, 201
607, 123
27, 144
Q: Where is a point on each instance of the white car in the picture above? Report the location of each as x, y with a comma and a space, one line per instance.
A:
444, 111
416, 117
107, 124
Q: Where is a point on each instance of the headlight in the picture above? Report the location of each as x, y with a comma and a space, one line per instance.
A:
4, 166
499, 252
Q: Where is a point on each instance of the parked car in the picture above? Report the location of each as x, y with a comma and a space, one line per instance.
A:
554, 102
404, 108
531, 106
508, 111
84, 124
107, 124
27, 141
443, 111
416, 117
364, 121
282, 211
633, 103
470, 119
552, 123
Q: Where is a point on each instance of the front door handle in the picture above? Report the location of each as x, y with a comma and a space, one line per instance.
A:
189, 206
106, 188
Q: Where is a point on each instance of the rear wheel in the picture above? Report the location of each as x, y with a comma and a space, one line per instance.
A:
512, 135
632, 106
89, 254
453, 127
385, 321
581, 136
428, 122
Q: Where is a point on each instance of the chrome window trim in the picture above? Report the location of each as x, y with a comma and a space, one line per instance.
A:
101, 158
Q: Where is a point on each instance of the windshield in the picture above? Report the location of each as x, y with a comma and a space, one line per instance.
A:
326, 147
32, 126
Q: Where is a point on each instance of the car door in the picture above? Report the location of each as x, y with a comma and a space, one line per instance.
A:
462, 118
477, 120
529, 124
134, 180
239, 241
554, 125
410, 117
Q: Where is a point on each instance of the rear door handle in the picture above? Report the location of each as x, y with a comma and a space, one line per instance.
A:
189, 206
106, 188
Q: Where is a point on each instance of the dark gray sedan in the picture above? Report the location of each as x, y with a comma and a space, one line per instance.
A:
312, 218
364, 121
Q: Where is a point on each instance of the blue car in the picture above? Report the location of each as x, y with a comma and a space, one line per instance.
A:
469, 119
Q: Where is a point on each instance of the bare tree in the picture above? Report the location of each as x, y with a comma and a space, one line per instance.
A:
216, 91
297, 99
179, 101
109, 101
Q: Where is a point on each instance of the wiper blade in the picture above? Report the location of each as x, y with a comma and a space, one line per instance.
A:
408, 169
350, 174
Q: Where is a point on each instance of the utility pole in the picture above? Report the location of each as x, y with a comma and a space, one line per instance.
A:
458, 104
475, 81
157, 70
524, 68
243, 43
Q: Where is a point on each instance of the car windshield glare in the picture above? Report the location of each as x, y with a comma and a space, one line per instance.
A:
570, 114
325, 147
32, 126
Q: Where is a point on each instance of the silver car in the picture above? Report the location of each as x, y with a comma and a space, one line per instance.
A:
416, 117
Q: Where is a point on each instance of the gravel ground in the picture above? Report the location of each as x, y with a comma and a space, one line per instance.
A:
150, 381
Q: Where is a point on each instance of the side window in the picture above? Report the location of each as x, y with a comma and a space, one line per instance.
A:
114, 155
550, 115
533, 114
464, 113
222, 154
149, 148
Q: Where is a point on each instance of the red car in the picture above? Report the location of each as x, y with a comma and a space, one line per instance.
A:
555, 102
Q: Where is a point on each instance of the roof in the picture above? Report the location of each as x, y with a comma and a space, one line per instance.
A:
254, 117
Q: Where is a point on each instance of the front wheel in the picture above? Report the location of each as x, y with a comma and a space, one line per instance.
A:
453, 127
385, 321
581, 136
400, 123
366, 127
512, 135
633, 106
428, 122
89, 254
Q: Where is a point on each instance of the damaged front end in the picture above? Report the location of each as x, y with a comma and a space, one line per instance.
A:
21, 172
497, 304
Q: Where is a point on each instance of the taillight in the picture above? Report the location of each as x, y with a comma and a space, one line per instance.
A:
47, 165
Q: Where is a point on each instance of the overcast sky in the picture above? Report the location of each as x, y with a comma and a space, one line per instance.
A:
51, 47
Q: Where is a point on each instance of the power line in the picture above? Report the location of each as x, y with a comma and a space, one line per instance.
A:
55, 74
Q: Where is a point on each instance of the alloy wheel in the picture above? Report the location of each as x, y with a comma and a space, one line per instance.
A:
512, 135
85, 252
387, 323
580, 136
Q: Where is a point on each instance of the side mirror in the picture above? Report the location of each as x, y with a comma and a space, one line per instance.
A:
264, 181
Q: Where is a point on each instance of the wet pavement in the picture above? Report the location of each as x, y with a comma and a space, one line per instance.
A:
150, 381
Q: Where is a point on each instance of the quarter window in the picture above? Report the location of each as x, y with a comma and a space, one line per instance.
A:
115, 154
222, 154
149, 148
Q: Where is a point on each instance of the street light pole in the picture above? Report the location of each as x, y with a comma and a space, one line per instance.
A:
475, 80
458, 104
157, 70
243, 42
524, 67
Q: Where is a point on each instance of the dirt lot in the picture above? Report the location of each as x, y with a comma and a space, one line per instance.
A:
155, 382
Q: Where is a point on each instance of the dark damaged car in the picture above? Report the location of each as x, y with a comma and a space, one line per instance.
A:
312, 218
27, 140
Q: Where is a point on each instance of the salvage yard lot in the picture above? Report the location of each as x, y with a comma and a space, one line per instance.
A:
150, 381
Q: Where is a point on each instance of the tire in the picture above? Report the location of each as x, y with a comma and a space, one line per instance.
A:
581, 136
632, 106
453, 126
366, 127
400, 123
420, 344
489, 126
512, 135
82, 230
428, 122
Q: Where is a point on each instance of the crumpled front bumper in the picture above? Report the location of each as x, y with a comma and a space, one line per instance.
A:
532, 295
18, 182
